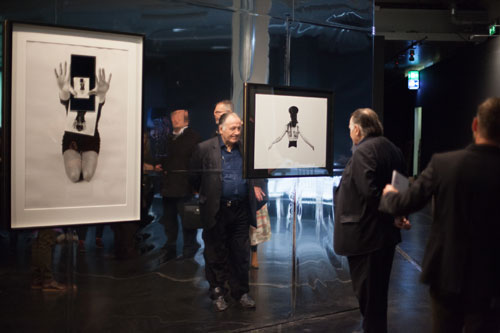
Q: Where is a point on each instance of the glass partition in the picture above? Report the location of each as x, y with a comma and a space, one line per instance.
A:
120, 276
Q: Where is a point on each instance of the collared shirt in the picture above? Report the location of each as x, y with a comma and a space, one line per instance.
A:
234, 187
176, 134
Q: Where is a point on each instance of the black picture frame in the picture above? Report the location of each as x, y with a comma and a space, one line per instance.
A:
278, 146
38, 191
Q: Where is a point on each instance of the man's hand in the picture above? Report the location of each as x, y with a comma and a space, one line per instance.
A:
402, 222
389, 188
259, 194
63, 83
101, 86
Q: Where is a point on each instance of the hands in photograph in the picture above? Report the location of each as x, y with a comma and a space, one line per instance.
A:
101, 85
259, 194
402, 222
62, 77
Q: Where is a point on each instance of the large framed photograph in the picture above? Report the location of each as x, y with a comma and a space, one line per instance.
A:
73, 125
288, 132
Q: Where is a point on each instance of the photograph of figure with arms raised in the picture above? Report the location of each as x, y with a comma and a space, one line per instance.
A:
81, 151
365, 235
461, 263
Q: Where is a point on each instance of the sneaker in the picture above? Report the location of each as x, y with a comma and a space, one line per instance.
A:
98, 243
81, 245
220, 304
247, 302
53, 285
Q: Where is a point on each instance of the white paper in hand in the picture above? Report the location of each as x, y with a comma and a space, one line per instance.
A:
399, 181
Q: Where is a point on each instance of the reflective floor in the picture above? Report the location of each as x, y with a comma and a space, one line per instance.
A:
145, 293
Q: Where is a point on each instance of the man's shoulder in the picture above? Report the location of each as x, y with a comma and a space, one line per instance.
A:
209, 143
453, 154
191, 132
471, 151
376, 142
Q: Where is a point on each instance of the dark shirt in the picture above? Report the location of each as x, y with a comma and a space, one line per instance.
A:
234, 187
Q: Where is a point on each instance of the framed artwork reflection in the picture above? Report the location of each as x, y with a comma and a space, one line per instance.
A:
73, 125
288, 132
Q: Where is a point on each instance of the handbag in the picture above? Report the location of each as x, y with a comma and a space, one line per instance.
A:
261, 233
191, 218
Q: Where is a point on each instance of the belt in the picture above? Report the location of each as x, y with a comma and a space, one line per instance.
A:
233, 203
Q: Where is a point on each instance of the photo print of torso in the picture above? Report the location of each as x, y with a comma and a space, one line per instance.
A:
81, 115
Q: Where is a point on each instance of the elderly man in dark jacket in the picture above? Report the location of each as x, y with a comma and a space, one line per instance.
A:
228, 204
366, 236
176, 189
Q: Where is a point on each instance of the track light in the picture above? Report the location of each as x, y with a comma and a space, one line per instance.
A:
412, 55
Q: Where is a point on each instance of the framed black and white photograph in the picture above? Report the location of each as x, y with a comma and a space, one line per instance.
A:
287, 132
73, 118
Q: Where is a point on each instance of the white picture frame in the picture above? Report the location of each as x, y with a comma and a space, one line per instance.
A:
40, 190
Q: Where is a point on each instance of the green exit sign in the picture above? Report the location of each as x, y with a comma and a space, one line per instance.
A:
493, 29
413, 80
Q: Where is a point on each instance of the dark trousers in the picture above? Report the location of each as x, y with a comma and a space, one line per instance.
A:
173, 207
227, 251
41, 254
370, 274
124, 239
453, 313
82, 232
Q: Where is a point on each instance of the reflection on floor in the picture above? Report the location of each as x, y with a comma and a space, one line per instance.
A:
145, 293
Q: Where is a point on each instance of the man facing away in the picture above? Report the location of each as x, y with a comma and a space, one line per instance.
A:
366, 236
461, 263
175, 187
228, 204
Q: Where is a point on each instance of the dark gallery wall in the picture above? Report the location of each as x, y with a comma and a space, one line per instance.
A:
195, 81
449, 95
399, 105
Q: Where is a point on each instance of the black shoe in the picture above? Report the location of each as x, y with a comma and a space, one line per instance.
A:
247, 302
220, 304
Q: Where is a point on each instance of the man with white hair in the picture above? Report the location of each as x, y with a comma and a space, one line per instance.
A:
228, 203
366, 236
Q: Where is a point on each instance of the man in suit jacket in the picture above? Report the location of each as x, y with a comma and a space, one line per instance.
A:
462, 258
366, 236
227, 205
175, 184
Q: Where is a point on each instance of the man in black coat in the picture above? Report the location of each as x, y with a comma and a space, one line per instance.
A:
228, 204
462, 259
176, 189
366, 236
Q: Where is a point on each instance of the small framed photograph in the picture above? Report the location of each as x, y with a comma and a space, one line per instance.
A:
73, 125
288, 132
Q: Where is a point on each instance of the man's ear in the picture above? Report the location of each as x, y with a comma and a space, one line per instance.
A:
475, 125
357, 129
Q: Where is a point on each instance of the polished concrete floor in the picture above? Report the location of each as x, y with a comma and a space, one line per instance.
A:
147, 294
